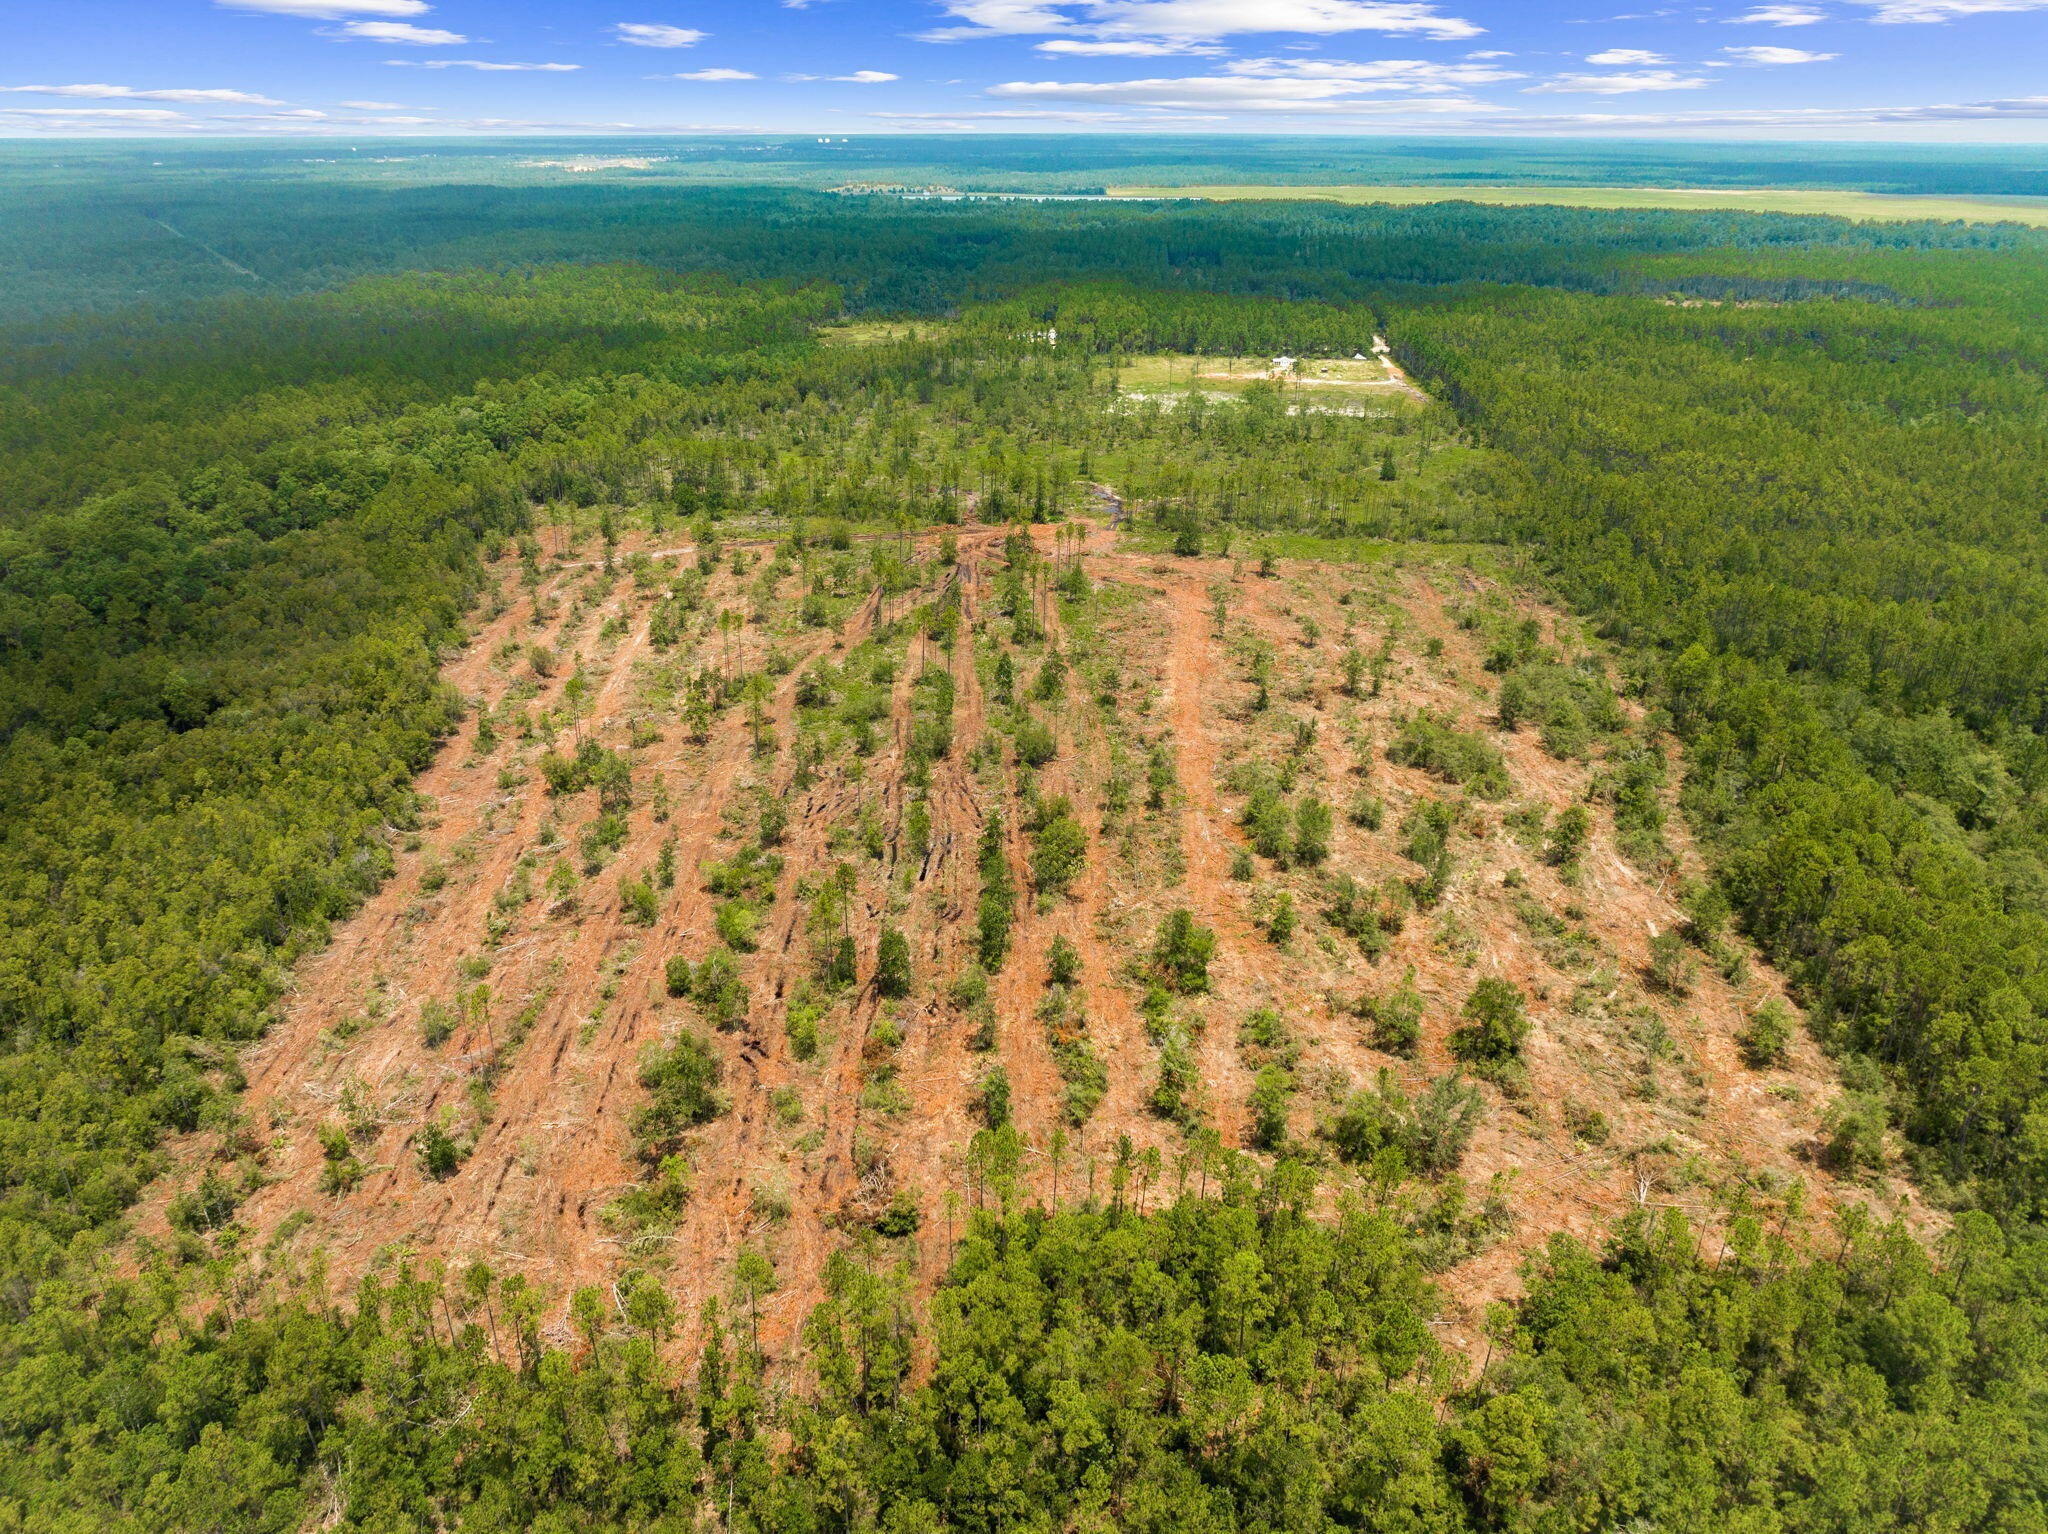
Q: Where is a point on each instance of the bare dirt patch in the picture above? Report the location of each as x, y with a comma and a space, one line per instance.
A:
484, 992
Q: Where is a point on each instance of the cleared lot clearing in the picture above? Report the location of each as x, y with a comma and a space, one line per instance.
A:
1329, 379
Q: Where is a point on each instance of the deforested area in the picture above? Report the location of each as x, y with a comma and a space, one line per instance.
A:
646, 898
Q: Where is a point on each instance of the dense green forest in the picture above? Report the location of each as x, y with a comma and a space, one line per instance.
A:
236, 546
169, 240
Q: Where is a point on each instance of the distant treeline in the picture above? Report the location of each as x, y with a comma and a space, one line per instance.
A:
62, 252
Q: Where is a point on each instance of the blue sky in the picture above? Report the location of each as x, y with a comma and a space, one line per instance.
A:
1930, 70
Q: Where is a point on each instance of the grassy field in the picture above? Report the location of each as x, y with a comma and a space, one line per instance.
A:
878, 332
1178, 370
1867, 206
1330, 379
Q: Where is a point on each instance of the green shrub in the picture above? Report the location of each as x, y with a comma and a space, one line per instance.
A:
1494, 1026
640, 902
1086, 1078
992, 929
1569, 835
994, 1097
997, 909
1441, 1126
675, 975
1431, 743
1853, 1135
1429, 1134
658, 1203
801, 1028
437, 1023
1063, 961
1356, 910
208, 1205
682, 1081
1264, 1038
1265, 820
1587, 1124
739, 926
839, 963
1161, 777
1427, 829
1180, 957
892, 964
1769, 1035
900, 1219
1312, 824
1396, 1018
720, 992
1572, 706
439, 1155
1059, 851
1272, 1095
1036, 744
1173, 1094
1672, 969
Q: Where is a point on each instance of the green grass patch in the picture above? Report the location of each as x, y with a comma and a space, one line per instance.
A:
881, 332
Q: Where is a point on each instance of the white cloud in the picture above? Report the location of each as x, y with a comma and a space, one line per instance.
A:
1766, 55
1490, 53
1379, 75
715, 74
1318, 86
1437, 113
1619, 85
1780, 16
1945, 10
398, 32
1045, 114
865, 77
1002, 18
1194, 20
2013, 109
329, 10
129, 93
1626, 56
1130, 49
644, 34
135, 121
483, 64
374, 106
96, 114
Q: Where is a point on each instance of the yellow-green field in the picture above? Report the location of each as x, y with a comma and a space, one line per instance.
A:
1338, 381
1868, 206
878, 332
1229, 374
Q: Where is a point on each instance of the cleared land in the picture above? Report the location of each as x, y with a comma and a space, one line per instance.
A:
1324, 380
879, 332
504, 994
1875, 207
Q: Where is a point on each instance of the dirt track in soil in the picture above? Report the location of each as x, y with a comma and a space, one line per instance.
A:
555, 1149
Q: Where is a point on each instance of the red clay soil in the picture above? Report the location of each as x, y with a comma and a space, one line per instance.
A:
811, 1151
